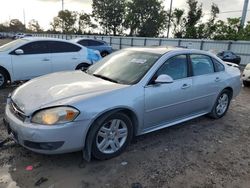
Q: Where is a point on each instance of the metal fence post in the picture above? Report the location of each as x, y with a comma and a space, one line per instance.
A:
145, 41
179, 42
110, 41
160, 41
132, 41
120, 46
229, 45
202, 43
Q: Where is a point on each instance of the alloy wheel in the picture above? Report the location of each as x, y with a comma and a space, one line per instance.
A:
112, 136
222, 105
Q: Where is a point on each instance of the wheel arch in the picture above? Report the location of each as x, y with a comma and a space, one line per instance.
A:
89, 137
7, 72
104, 51
230, 91
126, 110
83, 63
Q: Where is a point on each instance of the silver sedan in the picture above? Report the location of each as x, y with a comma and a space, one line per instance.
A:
130, 92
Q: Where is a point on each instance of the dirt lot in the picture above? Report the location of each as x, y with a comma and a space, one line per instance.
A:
200, 153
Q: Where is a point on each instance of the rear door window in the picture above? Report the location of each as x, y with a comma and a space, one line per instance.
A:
84, 42
63, 47
201, 64
95, 43
218, 66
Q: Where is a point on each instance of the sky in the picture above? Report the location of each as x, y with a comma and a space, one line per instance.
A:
45, 10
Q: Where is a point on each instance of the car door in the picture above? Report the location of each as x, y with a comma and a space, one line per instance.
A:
64, 56
35, 60
207, 82
166, 103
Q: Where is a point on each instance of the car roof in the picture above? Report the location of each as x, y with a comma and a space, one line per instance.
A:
84, 38
31, 39
44, 39
165, 49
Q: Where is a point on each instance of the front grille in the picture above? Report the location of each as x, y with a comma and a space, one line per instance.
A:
17, 111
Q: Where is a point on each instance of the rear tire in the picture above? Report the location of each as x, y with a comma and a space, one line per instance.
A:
83, 67
221, 105
112, 134
3, 78
104, 53
246, 83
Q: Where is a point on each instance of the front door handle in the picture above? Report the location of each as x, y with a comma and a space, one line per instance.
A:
217, 79
46, 59
74, 58
185, 86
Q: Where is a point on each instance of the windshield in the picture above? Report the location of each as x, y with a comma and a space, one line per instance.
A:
12, 44
125, 66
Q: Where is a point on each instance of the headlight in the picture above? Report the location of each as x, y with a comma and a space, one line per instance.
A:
55, 115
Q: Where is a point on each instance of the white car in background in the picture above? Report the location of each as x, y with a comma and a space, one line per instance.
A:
27, 58
246, 75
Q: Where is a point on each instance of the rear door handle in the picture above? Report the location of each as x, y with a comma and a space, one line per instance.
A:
74, 58
46, 59
185, 86
217, 79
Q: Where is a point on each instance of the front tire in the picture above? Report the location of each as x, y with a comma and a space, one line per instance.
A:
111, 136
104, 53
83, 67
3, 79
221, 105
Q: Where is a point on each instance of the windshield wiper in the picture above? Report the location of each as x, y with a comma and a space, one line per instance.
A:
105, 78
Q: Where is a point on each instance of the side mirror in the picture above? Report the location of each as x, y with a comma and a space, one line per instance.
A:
164, 78
19, 52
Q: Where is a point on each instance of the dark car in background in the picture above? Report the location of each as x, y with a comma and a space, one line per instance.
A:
95, 44
229, 56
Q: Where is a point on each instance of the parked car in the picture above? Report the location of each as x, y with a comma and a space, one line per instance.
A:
21, 35
229, 57
130, 92
27, 58
18, 36
99, 45
246, 75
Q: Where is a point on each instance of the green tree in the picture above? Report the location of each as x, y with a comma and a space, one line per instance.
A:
211, 27
4, 27
178, 21
145, 17
16, 25
229, 30
193, 17
84, 23
246, 32
109, 14
207, 29
55, 24
65, 21
34, 26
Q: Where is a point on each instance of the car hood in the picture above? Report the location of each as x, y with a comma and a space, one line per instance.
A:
44, 91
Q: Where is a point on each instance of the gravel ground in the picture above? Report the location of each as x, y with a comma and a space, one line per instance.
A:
199, 153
